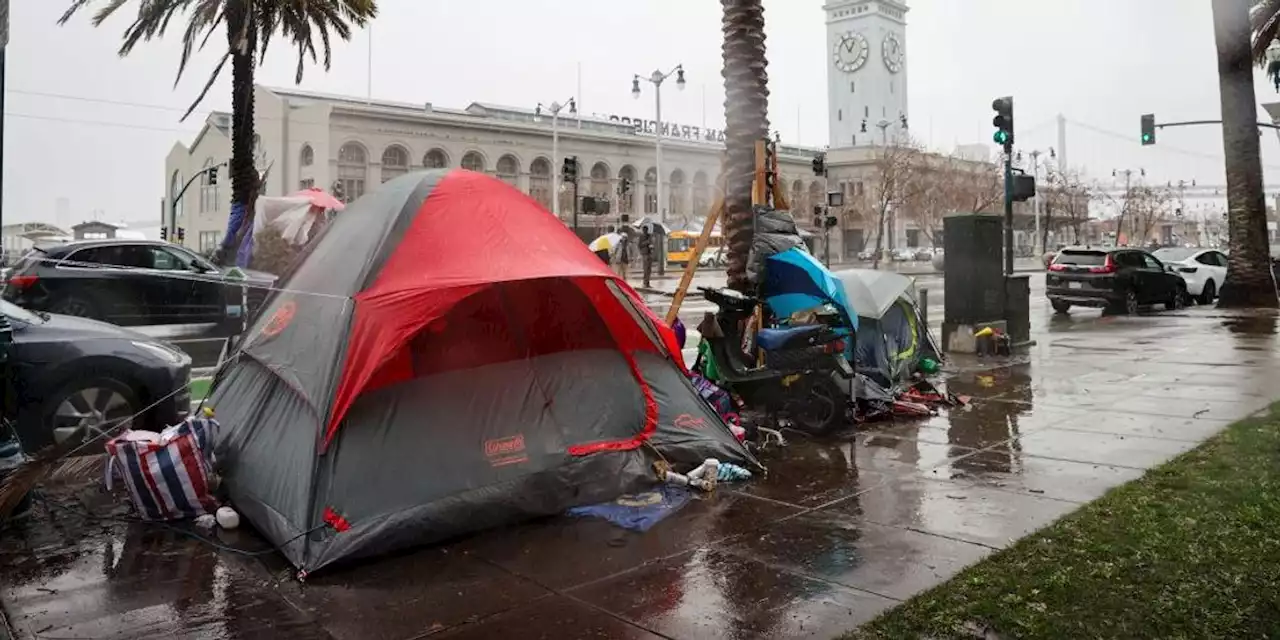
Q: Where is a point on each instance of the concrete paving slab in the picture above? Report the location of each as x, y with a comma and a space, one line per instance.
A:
712, 594
963, 511
1005, 468
1101, 448
851, 551
564, 552
553, 618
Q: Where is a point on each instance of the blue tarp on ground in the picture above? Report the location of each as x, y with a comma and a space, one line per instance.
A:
638, 511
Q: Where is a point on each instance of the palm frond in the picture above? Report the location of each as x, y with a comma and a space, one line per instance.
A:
1265, 19
213, 77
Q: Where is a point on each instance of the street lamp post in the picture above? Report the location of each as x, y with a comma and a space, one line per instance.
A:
657, 78
554, 109
1037, 245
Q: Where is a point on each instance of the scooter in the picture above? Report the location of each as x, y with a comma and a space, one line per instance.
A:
797, 380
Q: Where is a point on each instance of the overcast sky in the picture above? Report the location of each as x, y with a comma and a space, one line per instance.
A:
94, 128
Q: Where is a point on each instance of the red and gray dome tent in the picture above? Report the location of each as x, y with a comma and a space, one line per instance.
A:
449, 358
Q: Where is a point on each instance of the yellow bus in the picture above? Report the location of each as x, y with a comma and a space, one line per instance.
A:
680, 246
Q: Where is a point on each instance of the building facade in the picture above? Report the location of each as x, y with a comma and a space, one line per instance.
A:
309, 139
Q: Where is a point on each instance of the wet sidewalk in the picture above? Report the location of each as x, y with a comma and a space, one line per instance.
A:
840, 530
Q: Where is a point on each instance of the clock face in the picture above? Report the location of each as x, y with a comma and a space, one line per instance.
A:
893, 53
850, 52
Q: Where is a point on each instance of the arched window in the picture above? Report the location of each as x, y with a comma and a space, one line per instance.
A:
701, 194
677, 188
395, 162
540, 181
651, 190
600, 181
509, 169
353, 168
627, 202
308, 155
473, 161
799, 203
208, 187
435, 159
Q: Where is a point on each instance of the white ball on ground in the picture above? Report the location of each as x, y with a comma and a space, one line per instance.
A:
227, 518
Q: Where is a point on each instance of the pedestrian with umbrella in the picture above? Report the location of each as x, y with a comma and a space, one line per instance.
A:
605, 245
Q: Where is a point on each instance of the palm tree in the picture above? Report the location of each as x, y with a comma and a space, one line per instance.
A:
250, 24
746, 111
1249, 279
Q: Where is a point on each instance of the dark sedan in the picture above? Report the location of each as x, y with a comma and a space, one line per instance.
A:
1122, 279
132, 283
75, 377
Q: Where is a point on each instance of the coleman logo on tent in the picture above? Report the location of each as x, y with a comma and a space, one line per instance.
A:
686, 421
280, 319
503, 451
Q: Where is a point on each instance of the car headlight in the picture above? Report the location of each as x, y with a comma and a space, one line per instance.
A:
168, 354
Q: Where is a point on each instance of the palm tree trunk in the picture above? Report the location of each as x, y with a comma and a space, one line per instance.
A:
746, 110
1249, 280
242, 40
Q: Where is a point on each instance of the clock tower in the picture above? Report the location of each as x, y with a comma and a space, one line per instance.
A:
866, 71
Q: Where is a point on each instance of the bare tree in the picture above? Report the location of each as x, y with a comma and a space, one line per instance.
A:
1147, 207
1065, 198
947, 184
896, 167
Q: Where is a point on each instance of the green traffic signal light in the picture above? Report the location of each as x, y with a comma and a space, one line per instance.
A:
1146, 137
1001, 137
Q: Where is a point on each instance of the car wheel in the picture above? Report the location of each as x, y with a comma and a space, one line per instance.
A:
76, 306
1131, 302
1061, 306
1179, 299
84, 409
1210, 292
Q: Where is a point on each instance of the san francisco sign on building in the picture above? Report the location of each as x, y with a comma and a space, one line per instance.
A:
669, 129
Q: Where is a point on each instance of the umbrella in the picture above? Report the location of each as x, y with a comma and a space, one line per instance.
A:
795, 281
872, 293
318, 198
658, 226
606, 242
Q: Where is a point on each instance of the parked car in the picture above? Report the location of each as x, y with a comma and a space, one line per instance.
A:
74, 377
1204, 270
866, 255
713, 257
1123, 279
904, 254
130, 283
924, 254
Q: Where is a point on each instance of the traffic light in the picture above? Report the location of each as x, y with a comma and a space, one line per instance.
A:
182, 235
820, 164
213, 176
1003, 122
164, 233
1024, 187
1148, 129
570, 169
624, 186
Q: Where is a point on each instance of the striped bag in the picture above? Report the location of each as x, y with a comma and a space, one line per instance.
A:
169, 479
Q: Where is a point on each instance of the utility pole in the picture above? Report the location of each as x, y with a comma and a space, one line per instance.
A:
1003, 122
1062, 144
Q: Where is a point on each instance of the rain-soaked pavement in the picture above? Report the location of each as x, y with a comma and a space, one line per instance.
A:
840, 530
